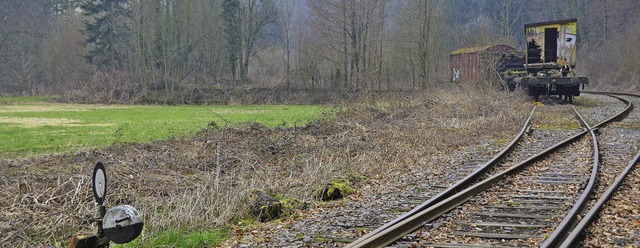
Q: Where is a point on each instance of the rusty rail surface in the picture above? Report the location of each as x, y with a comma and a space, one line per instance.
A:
572, 218
623, 113
455, 188
415, 221
573, 237
417, 217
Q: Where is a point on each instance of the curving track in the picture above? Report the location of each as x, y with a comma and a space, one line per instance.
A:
617, 226
535, 202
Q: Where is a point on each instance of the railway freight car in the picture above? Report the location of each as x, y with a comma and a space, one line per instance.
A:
550, 60
545, 68
477, 63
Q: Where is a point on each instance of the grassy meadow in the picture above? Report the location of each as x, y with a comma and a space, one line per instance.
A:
34, 126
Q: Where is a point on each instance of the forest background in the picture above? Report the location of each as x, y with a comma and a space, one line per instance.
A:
262, 51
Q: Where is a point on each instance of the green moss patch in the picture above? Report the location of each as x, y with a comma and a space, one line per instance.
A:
336, 189
290, 205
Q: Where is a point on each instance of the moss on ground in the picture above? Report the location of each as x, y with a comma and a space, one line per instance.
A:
290, 205
336, 189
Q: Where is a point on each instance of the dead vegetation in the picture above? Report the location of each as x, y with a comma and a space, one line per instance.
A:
207, 180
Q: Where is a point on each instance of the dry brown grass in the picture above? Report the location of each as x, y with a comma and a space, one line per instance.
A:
173, 183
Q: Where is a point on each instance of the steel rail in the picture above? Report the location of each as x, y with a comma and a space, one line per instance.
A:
623, 113
573, 237
572, 218
413, 222
410, 222
609, 93
455, 188
626, 111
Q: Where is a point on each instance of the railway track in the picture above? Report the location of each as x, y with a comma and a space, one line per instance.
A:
533, 202
621, 153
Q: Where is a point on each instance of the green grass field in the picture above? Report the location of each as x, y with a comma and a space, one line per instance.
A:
33, 126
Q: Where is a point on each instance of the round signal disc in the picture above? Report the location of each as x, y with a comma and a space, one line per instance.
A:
99, 183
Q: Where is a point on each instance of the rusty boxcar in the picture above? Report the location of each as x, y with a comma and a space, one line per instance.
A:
476, 63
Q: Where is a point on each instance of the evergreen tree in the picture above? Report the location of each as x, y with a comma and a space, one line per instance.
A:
108, 32
230, 14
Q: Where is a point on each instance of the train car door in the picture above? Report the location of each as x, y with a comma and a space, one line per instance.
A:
550, 45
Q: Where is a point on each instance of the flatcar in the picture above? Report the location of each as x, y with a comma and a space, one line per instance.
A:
551, 60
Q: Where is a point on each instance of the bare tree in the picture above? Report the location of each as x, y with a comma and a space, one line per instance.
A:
349, 28
419, 25
255, 15
177, 44
22, 32
63, 63
507, 15
286, 12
